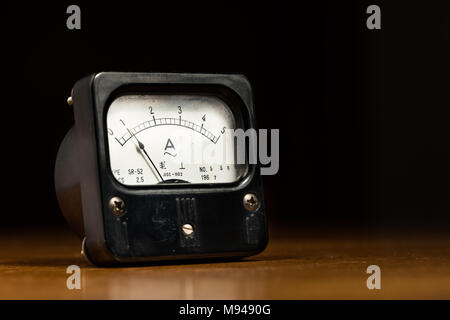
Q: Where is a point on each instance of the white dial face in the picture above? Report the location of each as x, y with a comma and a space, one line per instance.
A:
162, 138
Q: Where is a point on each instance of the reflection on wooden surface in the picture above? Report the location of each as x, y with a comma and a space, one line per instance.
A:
320, 265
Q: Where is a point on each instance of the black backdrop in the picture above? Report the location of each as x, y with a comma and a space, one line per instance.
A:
363, 115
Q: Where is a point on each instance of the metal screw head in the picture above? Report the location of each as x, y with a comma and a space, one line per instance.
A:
251, 202
70, 99
188, 229
116, 206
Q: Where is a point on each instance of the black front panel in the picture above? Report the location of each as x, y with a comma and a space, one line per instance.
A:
152, 224
151, 227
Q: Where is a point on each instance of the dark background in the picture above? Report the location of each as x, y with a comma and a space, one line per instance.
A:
363, 115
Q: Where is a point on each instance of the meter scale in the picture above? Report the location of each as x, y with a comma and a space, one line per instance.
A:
167, 122
171, 153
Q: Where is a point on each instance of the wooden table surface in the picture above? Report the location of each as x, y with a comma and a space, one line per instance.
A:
312, 264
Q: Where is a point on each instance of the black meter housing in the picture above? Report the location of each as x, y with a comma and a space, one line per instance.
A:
149, 223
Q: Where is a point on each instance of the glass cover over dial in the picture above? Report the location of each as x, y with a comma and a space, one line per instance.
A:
171, 138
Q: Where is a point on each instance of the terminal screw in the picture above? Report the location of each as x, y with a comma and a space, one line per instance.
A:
251, 202
117, 206
70, 99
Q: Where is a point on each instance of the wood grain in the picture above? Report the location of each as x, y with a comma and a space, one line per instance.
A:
298, 264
